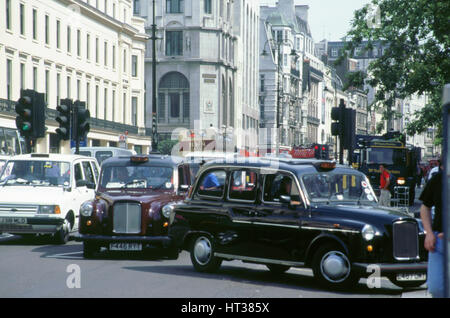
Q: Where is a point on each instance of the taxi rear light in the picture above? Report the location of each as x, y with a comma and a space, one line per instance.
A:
139, 159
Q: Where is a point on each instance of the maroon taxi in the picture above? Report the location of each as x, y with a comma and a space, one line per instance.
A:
133, 204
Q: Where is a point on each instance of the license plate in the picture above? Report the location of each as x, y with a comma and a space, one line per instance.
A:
13, 220
125, 246
411, 277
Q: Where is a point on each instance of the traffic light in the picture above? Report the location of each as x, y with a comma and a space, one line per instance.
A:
81, 122
337, 114
24, 110
63, 118
30, 109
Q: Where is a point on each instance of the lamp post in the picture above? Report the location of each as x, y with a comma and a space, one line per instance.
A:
154, 116
278, 44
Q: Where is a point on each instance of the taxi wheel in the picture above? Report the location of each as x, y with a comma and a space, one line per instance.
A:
89, 249
332, 267
62, 236
278, 269
202, 255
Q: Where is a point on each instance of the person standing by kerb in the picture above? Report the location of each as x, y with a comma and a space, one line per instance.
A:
385, 194
432, 196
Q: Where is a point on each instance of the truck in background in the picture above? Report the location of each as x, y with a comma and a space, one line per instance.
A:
402, 160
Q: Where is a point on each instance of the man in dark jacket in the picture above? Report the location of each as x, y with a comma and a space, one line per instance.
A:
432, 197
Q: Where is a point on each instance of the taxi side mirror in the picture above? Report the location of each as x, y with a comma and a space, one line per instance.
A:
285, 199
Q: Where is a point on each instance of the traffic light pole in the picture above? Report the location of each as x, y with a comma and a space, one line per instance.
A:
154, 117
341, 132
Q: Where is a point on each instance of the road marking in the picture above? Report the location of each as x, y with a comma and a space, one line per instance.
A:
66, 255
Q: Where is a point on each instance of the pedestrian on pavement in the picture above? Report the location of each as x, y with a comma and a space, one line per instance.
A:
432, 196
385, 193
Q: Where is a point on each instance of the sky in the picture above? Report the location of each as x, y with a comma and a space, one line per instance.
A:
330, 19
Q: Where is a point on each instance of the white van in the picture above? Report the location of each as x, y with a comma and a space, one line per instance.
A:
103, 153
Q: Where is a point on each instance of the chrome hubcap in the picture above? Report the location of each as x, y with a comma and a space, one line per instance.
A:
335, 266
202, 250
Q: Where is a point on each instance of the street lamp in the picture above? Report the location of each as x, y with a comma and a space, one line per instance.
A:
278, 44
154, 116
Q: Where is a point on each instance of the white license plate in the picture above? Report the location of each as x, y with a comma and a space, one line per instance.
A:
411, 277
125, 246
13, 220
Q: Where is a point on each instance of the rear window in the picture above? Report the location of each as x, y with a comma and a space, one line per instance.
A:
103, 155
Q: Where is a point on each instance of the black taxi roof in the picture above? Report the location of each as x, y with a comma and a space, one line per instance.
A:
136, 160
289, 164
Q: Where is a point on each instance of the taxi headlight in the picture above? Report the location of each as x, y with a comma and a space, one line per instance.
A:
368, 232
49, 209
401, 181
166, 210
86, 209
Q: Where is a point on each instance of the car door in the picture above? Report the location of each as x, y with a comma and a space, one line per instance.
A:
277, 221
83, 175
237, 236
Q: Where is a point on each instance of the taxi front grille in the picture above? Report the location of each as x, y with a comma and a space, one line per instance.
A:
405, 240
18, 208
127, 218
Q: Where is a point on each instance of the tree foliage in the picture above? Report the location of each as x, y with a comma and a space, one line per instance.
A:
416, 59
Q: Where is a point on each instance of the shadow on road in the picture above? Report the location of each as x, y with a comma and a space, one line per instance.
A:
265, 278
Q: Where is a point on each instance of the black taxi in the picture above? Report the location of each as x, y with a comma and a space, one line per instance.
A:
133, 202
297, 213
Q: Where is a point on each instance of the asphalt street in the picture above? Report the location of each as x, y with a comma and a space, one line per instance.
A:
37, 268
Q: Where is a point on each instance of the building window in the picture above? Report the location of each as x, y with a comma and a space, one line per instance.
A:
105, 98
58, 88
35, 79
136, 7
114, 10
124, 108
22, 75
174, 6
54, 143
334, 52
68, 86
208, 7
174, 43
88, 95
78, 89
96, 50
174, 103
68, 39
114, 57
58, 34
106, 54
34, 24
22, 19
8, 78
8, 14
96, 101
78, 43
47, 85
113, 105
134, 103
134, 65
88, 47
47, 30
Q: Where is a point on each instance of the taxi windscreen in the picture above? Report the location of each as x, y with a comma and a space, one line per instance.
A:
338, 187
148, 177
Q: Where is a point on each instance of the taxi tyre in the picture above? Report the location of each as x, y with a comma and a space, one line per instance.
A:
202, 254
62, 235
403, 284
277, 269
89, 249
331, 255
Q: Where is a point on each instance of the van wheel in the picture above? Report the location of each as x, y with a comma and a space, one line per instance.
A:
278, 269
202, 255
332, 267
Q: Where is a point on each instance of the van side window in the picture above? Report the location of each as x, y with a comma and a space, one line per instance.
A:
243, 185
212, 183
103, 155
